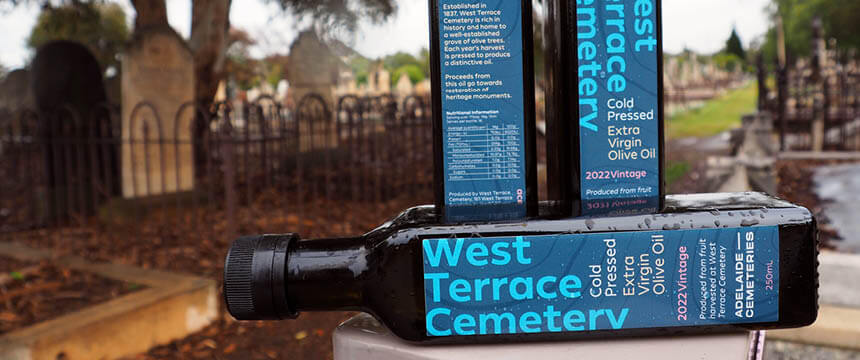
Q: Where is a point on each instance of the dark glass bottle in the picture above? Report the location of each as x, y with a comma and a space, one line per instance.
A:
604, 107
385, 273
483, 99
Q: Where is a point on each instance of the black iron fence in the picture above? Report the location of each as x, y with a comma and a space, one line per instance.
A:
815, 103
62, 168
804, 93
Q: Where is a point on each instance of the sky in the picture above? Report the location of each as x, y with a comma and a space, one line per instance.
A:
700, 25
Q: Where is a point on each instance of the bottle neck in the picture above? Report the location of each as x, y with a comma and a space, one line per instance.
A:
327, 274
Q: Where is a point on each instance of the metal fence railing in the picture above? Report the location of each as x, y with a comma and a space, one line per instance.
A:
63, 168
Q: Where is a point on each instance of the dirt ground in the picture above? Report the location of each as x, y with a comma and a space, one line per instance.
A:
180, 243
32, 292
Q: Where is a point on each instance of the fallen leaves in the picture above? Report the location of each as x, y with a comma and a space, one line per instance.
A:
43, 291
194, 241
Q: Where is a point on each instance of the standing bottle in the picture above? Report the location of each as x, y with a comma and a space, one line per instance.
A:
483, 102
605, 128
703, 267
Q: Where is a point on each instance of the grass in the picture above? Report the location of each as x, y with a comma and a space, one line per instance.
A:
716, 116
675, 171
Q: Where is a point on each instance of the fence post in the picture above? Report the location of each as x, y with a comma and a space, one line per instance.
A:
782, 97
761, 78
229, 183
818, 62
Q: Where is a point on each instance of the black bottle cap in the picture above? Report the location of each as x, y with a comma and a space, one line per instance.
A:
255, 278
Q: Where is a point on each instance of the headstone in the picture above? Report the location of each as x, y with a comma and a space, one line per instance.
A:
15, 96
157, 70
423, 88
313, 68
15, 92
403, 87
67, 87
380, 81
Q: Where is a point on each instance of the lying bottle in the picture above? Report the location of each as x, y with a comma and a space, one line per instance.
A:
714, 262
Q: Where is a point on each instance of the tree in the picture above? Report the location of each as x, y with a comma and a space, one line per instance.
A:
238, 63
734, 45
399, 60
99, 27
360, 66
424, 57
413, 71
839, 21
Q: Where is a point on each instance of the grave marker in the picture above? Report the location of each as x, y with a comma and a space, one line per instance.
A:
157, 78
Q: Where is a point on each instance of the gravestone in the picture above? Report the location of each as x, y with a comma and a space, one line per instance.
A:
379, 81
15, 97
404, 87
15, 92
313, 68
68, 90
157, 79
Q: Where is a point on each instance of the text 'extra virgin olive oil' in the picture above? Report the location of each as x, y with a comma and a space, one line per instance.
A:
483, 110
604, 107
711, 263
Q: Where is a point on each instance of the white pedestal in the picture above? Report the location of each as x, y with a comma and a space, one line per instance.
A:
363, 338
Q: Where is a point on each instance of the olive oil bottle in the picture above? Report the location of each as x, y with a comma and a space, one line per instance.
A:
711, 263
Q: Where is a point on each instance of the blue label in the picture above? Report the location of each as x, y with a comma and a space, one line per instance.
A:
482, 109
601, 281
619, 112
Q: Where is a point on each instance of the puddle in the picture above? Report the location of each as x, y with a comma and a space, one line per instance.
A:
839, 189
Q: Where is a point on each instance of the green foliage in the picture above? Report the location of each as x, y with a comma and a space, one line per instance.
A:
360, 66
398, 60
274, 73
242, 69
734, 46
728, 61
100, 27
16, 275
361, 78
413, 71
675, 171
417, 68
840, 21
424, 57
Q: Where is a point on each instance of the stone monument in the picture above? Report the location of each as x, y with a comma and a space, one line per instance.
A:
157, 79
313, 68
67, 87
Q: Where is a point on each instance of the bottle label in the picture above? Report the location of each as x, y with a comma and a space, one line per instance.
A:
601, 281
481, 62
618, 53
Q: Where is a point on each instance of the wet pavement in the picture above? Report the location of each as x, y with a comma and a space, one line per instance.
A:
783, 350
838, 187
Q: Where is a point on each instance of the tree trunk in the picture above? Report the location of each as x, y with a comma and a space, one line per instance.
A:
210, 23
149, 12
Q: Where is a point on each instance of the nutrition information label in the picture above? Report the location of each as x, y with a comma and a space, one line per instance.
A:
483, 152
